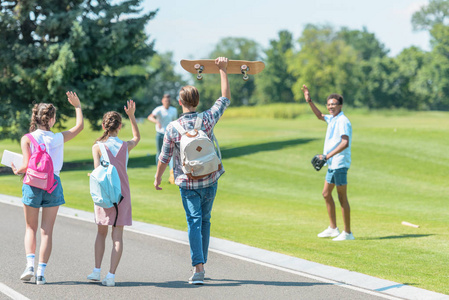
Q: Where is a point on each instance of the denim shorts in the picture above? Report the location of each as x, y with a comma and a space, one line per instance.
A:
36, 197
337, 176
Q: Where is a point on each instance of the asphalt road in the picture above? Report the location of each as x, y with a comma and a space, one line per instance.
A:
151, 268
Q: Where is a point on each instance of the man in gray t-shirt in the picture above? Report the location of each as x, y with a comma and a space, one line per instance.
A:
162, 116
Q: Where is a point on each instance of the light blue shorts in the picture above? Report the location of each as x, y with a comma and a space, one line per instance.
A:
337, 176
36, 197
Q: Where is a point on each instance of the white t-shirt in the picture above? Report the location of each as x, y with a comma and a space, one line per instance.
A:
164, 116
336, 128
54, 145
114, 144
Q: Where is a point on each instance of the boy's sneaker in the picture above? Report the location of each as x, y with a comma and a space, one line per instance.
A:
40, 280
95, 276
344, 236
197, 278
27, 274
108, 282
329, 232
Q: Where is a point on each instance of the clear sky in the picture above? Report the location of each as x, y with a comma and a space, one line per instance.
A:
192, 28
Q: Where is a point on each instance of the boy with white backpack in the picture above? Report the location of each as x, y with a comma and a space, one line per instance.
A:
197, 166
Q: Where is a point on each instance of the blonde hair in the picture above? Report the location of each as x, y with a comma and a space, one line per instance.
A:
42, 113
111, 123
189, 96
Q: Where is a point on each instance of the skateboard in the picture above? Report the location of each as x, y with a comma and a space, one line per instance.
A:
208, 66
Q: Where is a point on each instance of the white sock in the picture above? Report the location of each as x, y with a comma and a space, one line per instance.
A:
41, 269
110, 275
30, 260
97, 270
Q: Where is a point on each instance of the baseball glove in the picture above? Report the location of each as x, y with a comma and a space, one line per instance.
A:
318, 163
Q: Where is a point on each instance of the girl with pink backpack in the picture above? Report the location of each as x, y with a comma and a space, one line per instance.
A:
42, 162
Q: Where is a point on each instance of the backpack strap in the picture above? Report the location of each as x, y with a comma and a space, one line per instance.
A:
214, 140
34, 142
199, 121
178, 127
104, 153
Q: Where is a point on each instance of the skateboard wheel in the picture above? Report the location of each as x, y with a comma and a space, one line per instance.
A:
197, 66
245, 77
199, 77
244, 68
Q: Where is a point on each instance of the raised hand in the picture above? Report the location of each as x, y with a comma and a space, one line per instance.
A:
73, 99
221, 62
305, 90
131, 109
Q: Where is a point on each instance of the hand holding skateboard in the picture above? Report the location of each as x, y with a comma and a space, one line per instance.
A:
211, 66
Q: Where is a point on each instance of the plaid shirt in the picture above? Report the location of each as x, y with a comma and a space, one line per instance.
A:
172, 140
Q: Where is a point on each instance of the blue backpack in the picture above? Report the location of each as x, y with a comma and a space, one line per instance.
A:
104, 182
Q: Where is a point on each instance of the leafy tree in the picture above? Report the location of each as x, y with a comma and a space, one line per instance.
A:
432, 80
161, 79
275, 83
379, 86
409, 65
242, 91
51, 46
325, 63
365, 43
436, 12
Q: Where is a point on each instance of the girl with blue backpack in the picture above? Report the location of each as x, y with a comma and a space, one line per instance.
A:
43, 153
117, 152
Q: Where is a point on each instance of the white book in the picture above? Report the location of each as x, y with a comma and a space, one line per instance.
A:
12, 157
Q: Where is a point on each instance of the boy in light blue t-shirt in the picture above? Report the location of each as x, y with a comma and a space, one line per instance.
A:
337, 153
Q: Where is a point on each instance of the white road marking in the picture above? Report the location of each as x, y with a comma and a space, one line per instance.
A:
11, 293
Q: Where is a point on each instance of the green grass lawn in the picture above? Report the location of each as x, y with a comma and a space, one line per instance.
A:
270, 197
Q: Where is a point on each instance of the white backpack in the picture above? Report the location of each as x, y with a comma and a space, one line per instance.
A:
104, 184
198, 155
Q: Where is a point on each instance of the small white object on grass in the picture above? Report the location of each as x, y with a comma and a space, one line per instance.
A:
409, 224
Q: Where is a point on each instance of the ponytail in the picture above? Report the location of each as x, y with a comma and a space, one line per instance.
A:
41, 115
111, 123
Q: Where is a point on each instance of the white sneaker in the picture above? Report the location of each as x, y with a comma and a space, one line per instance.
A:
329, 232
95, 276
40, 280
197, 278
344, 236
27, 274
108, 282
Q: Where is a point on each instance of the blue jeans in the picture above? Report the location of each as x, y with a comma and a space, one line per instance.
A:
159, 143
198, 207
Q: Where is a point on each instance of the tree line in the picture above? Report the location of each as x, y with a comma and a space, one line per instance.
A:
353, 63
101, 51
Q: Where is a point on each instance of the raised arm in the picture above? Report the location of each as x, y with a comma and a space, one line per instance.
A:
72, 132
222, 63
130, 110
315, 109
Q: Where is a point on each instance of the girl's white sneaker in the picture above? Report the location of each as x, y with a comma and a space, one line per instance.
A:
95, 276
344, 236
329, 232
108, 282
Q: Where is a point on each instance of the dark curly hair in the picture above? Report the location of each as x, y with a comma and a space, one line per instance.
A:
42, 114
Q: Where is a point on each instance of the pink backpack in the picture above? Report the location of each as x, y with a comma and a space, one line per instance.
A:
40, 168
